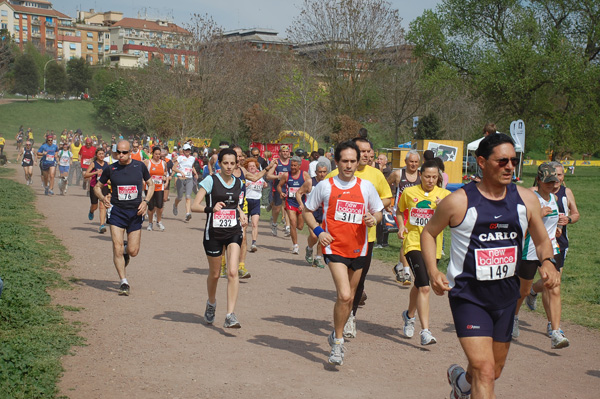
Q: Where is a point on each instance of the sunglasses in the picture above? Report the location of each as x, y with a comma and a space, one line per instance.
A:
502, 162
122, 152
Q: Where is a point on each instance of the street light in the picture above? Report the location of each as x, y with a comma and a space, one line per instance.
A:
49, 61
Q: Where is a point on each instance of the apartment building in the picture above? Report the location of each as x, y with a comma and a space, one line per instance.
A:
259, 39
149, 39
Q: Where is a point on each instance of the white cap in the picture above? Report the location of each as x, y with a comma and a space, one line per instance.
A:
187, 147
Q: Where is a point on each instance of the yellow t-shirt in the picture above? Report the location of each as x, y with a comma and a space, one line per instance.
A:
376, 178
75, 151
2, 141
420, 206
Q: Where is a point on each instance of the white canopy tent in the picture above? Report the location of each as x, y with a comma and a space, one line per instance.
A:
472, 146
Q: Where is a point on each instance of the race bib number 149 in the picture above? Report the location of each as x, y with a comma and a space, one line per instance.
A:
495, 263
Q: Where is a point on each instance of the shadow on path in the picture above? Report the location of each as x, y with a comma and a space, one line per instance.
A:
104, 285
307, 350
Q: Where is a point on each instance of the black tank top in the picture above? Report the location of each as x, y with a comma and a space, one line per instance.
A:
225, 224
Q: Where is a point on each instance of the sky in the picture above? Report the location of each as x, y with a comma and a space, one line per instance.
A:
229, 14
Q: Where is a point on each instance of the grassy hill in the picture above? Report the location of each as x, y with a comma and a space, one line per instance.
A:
42, 115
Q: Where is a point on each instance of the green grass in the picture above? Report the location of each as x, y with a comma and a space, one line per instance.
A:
33, 332
42, 115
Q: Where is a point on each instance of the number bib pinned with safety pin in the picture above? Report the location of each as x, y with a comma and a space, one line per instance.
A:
127, 193
349, 212
493, 264
420, 216
224, 218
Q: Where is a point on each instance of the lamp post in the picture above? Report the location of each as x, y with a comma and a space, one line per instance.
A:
49, 61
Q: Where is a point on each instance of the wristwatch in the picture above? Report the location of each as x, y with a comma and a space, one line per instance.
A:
569, 217
552, 260
146, 201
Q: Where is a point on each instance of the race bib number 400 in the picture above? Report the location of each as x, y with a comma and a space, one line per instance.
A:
420, 216
349, 212
225, 218
495, 263
127, 193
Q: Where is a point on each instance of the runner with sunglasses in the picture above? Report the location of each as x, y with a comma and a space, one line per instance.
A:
127, 177
488, 221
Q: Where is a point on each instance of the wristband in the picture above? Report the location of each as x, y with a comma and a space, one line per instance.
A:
318, 230
569, 217
208, 209
147, 202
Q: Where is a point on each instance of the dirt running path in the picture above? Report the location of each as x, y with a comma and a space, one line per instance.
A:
154, 343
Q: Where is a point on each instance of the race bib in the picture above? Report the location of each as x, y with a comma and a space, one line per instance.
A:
255, 186
349, 212
64, 161
495, 263
187, 172
87, 161
127, 193
157, 179
49, 158
292, 191
224, 218
420, 217
26, 161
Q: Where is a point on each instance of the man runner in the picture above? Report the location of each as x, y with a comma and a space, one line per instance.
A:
488, 221
283, 165
127, 177
47, 155
184, 167
350, 205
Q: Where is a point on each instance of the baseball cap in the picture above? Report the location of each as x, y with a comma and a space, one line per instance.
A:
187, 147
284, 147
547, 173
300, 152
88, 140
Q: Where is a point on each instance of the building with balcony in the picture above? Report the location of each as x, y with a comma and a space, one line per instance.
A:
95, 41
259, 39
149, 39
33, 21
93, 17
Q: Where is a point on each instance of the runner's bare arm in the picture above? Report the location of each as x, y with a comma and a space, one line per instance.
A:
394, 177
243, 217
304, 189
538, 233
282, 178
449, 212
324, 237
271, 174
88, 172
143, 206
197, 204
573, 211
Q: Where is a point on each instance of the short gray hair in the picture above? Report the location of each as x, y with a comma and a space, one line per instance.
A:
412, 152
296, 159
323, 164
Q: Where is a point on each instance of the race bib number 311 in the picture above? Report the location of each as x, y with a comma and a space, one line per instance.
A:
225, 218
349, 212
127, 193
495, 263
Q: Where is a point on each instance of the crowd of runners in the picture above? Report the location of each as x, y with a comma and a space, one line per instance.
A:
501, 233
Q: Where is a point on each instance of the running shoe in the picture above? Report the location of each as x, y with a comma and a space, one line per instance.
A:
559, 340
125, 254
223, 271
149, 227
409, 325
399, 272
102, 229
287, 231
378, 246
174, 209
188, 217
331, 338
336, 357
231, 321
531, 300
91, 215
427, 338
363, 299
253, 248
209, 313
243, 272
160, 226
318, 262
274, 229
124, 289
296, 249
46, 189
515, 329
50, 192
308, 255
454, 372
350, 327
407, 279
549, 330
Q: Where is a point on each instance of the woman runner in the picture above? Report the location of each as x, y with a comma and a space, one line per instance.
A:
93, 171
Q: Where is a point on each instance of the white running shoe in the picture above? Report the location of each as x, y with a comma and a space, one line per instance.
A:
409, 324
274, 229
160, 226
287, 232
336, 357
149, 227
350, 327
531, 300
427, 338
558, 340
296, 249
454, 372
515, 329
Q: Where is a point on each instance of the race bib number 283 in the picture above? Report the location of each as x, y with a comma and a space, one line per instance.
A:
495, 263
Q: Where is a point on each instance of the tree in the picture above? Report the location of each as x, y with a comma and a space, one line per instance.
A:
56, 79
343, 38
428, 128
79, 74
26, 75
260, 125
114, 107
7, 56
344, 128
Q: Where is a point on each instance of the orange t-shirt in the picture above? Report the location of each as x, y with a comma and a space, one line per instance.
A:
157, 174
